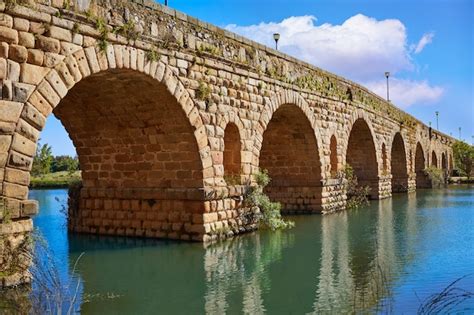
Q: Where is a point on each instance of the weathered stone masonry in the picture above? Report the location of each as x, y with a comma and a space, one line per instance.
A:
171, 116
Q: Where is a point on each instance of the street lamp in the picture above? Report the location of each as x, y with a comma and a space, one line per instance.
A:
166, 2
387, 74
437, 123
276, 37
459, 133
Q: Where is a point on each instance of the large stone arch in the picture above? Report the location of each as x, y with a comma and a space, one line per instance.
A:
114, 181
422, 179
361, 153
290, 151
398, 164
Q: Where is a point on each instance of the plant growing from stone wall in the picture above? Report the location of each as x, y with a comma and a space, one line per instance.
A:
270, 212
356, 194
436, 175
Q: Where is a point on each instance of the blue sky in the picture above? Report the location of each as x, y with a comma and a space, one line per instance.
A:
426, 45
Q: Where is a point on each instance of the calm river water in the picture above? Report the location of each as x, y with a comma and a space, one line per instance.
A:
383, 258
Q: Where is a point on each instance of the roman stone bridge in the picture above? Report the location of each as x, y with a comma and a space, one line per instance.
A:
172, 116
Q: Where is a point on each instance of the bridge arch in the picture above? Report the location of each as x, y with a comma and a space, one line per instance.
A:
232, 154
434, 159
290, 151
149, 150
361, 154
422, 180
398, 164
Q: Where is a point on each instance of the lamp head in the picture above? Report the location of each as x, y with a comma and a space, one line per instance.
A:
387, 74
276, 37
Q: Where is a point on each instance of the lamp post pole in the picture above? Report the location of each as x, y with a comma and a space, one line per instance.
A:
166, 2
437, 116
387, 75
459, 133
276, 37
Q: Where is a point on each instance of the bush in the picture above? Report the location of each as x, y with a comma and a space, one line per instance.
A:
270, 212
356, 194
436, 175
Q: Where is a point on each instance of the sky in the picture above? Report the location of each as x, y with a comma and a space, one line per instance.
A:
426, 45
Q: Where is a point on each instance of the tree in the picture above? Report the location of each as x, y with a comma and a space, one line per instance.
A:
65, 163
42, 160
463, 157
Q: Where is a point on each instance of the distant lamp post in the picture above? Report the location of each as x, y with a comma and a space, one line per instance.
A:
459, 133
276, 37
387, 75
166, 2
437, 122
429, 123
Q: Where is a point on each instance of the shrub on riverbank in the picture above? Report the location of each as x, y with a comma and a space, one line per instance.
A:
435, 175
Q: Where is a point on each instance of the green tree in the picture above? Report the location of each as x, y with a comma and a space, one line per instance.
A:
463, 157
42, 160
63, 163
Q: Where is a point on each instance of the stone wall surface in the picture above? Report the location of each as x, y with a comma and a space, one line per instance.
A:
172, 116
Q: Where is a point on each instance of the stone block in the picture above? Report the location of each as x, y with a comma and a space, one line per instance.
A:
6, 20
3, 50
8, 35
35, 57
10, 111
32, 74
33, 116
60, 33
21, 24
51, 60
18, 53
15, 191
26, 39
18, 160
13, 70
23, 145
16, 176
22, 91
48, 44
29, 208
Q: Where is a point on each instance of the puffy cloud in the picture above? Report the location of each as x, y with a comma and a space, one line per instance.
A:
425, 40
361, 48
405, 93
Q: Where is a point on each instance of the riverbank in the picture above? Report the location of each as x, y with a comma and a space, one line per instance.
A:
461, 180
55, 180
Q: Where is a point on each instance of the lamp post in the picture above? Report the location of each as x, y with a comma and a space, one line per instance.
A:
459, 133
387, 75
166, 2
437, 123
276, 37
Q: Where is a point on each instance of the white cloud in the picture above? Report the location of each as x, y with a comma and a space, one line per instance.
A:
361, 48
405, 93
425, 40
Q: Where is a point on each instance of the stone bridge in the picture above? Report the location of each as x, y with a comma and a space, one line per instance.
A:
172, 116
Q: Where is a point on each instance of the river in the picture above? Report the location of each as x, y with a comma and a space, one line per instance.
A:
388, 257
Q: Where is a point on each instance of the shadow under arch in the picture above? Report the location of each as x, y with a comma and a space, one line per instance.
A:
398, 164
290, 154
422, 179
361, 155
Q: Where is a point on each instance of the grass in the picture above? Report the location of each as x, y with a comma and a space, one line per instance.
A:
55, 180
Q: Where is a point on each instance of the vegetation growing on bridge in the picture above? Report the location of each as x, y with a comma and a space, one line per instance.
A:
436, 176
356, 194
270, 212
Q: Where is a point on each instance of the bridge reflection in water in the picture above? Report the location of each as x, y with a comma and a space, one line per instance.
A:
345, 262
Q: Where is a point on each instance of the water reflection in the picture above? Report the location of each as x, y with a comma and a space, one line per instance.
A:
370, 260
